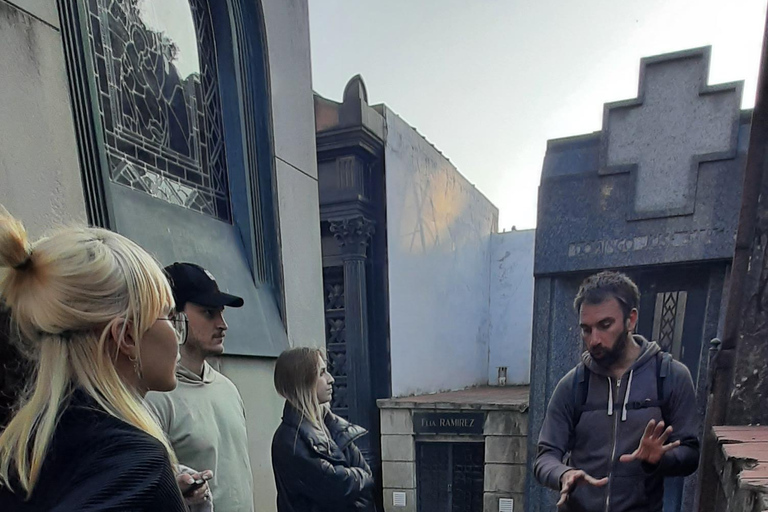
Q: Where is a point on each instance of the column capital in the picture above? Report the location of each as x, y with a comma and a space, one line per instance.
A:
352, 234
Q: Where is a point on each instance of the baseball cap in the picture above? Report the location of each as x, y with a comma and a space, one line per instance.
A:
192, 283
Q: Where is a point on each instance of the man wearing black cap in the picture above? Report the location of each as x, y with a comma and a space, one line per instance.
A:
204, 416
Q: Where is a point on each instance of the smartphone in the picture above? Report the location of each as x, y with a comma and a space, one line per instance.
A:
195, 486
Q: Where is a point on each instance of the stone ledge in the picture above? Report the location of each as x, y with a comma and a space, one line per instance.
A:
483, 398
742, 464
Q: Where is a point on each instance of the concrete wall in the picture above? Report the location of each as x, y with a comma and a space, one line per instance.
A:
293, 117
40, 178
439, 251
39, 170
511, 305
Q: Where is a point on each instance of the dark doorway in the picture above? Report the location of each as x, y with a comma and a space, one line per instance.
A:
450, 476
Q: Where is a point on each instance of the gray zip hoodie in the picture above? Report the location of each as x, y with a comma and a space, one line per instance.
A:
610, 426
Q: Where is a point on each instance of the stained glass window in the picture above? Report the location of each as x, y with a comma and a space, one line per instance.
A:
159, 101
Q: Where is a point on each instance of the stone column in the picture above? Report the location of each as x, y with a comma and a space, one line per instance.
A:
353, 235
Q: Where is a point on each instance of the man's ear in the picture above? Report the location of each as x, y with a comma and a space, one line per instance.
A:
122, 332
632, 320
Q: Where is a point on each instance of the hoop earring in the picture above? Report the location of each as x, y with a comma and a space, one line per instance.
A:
136, 366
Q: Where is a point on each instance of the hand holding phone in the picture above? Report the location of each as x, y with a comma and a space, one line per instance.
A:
195, 486
198, 481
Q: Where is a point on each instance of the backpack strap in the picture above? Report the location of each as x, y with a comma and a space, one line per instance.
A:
580, 390
663, 362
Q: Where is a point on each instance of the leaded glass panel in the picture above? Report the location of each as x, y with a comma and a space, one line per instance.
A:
159, 101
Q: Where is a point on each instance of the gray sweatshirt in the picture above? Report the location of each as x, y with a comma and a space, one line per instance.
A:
611, 424
204, 418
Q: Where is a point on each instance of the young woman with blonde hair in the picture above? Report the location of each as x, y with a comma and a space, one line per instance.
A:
95, 313
317, 466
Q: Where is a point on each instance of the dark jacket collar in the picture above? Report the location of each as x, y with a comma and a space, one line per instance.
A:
342, 432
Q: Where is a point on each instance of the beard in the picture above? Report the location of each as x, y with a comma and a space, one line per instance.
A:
608, 357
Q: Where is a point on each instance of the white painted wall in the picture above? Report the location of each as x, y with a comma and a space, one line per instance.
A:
439, 250
511, 305
39, 170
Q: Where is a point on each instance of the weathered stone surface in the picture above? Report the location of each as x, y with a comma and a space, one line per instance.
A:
506, 423
747, 404
681, 120
398, 448
626, 197
741, 462
505, 478
506, 449
399, 475
396, 421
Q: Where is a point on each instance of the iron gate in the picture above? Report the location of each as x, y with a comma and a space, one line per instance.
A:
450, 476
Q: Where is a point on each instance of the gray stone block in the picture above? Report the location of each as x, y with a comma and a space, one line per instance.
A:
491, 501
399, 475
45, 10
410, 500
398, 448
506, 449
505, 478
396, 421
506, 423
666, 193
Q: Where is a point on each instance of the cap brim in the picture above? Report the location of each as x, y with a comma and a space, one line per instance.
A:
217, 300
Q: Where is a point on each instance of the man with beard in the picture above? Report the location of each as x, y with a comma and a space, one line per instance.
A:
621, 420
204, 417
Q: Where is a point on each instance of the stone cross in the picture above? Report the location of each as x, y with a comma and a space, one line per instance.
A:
674, 124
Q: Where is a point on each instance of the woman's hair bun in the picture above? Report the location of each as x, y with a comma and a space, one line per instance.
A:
15, 251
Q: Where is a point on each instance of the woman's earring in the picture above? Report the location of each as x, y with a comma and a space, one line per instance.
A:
136, 366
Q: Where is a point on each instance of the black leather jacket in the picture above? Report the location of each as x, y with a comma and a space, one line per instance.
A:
315, 474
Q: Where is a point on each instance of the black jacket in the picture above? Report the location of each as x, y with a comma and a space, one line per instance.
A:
315, 474
614, 417
97, 462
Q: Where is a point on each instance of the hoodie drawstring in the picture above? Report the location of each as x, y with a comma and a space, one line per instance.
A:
626, 396
610, 397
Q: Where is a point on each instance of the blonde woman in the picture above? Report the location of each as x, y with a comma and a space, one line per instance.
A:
317, 466
96, 314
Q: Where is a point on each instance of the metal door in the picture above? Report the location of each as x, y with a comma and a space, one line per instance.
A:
450, 476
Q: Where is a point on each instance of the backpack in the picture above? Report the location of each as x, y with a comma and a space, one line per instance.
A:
581, 389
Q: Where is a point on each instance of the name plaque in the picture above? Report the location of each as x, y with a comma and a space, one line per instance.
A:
448, 422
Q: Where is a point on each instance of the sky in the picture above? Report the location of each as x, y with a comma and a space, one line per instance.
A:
488, 82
